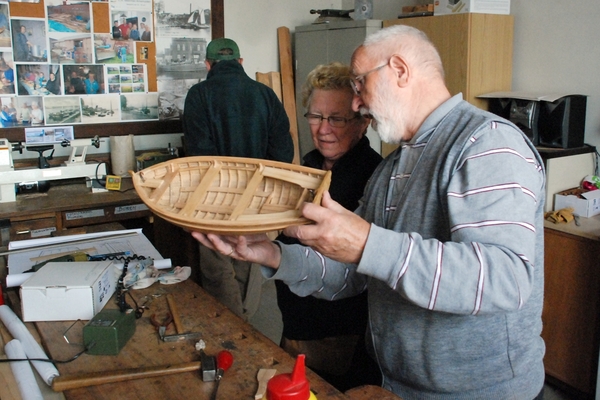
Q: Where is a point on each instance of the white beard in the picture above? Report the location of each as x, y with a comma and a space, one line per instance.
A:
387, 120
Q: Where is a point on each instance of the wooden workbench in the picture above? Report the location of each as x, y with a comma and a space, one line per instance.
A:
199, 312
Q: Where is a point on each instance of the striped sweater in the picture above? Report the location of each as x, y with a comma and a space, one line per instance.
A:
453, 261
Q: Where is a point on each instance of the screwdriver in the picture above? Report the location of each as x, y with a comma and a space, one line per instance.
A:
224, 361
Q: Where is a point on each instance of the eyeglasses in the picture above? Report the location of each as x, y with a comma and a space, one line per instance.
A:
336, 122
360, 79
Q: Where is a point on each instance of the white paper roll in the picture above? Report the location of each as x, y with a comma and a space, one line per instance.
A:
14, 280
162, 264
122, 155
22, 372
19, 331
158, 264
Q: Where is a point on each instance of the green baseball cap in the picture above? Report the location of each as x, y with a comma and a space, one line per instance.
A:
222, 49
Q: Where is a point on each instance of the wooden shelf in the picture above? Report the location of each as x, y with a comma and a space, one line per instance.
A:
103, 130
476, 51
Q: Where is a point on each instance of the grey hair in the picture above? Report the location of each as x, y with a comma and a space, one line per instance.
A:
407, 41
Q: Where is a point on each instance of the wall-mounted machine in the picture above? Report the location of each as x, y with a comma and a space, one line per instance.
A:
11, 179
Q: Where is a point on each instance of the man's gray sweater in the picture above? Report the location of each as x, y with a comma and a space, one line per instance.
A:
453, 261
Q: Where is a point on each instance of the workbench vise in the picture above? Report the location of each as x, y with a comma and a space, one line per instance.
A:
76, 167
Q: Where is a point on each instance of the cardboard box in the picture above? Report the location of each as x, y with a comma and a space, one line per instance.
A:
68, 291
417, 8
443, 7
585, 204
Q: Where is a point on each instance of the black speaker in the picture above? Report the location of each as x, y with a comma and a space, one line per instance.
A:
556, 122
523, 113
561, 123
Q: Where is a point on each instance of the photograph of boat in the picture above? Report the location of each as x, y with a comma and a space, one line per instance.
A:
139, 106
100, 109
196, 19
62, 110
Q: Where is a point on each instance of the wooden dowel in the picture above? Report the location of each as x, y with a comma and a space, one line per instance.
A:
61, 383
286, 66
175, 314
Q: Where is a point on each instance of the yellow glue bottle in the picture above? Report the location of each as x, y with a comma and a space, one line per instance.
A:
292, 386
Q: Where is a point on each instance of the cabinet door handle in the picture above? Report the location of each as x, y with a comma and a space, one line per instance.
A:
23, 232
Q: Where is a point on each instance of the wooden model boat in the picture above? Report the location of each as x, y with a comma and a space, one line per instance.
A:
230, 195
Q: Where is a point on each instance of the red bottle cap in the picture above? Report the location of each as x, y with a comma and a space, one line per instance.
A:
292, 386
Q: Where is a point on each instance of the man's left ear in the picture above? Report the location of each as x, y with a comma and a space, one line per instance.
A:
400, 68
241, 61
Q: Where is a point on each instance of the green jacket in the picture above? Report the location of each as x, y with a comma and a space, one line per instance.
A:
230, 114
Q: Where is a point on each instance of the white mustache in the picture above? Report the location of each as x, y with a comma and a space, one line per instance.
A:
365, 112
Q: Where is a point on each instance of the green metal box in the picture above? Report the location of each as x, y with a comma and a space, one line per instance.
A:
108, 331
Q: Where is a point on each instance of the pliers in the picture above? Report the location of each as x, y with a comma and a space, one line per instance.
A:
161, 327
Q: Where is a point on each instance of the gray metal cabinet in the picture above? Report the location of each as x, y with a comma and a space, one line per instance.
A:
321, 44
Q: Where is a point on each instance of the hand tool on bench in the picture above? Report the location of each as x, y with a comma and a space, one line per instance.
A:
61, 383
224, 361
161, 326
177, 322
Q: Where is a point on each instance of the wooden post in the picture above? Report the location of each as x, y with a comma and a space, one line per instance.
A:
287, 85
271, 79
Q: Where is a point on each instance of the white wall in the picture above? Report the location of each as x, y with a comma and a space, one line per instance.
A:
253, 25
555, 46
556, 50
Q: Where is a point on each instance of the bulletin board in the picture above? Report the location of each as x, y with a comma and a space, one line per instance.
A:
101, 18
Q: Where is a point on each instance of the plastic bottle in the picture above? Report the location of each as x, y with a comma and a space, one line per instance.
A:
292, 386
591, 182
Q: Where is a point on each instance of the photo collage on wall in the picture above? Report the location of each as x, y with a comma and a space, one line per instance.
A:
57, 70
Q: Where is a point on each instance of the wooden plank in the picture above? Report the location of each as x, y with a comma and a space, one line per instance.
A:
201, 190
17, 134
244, 202
287, 85
271, 79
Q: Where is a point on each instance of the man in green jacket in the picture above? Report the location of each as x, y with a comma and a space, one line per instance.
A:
230, 114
